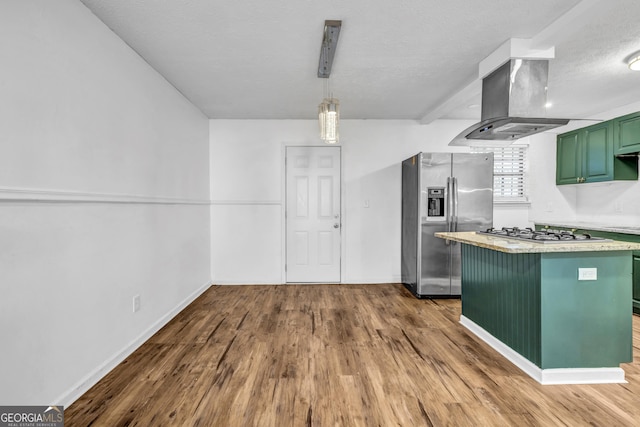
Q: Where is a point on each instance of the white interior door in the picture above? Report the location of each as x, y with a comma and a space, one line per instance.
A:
313, 214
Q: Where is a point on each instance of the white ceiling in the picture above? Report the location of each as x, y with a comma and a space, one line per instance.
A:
258, 59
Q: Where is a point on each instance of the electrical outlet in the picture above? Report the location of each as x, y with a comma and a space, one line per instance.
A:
587, 274
617, 206
136, 303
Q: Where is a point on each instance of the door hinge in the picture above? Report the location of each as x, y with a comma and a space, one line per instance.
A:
285, 268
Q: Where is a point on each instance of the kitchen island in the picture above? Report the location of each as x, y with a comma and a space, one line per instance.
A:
561, 312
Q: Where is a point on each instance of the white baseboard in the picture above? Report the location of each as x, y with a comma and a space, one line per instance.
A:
70, 396
244, 283
372, 281
546, 376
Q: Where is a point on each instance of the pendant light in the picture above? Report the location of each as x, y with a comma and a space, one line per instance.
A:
329, 108
329, 120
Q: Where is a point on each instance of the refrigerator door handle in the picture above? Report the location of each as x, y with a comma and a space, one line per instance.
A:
448, 208
454, 214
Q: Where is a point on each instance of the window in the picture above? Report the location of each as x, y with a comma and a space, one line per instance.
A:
509, 173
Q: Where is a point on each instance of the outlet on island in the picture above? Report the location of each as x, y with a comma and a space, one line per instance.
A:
587, 274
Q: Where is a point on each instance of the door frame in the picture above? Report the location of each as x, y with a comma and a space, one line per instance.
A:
283, 206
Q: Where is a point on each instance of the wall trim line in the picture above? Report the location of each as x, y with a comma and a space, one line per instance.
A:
12, 194
246, 202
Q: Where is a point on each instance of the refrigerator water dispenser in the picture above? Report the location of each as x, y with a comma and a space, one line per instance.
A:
435, 204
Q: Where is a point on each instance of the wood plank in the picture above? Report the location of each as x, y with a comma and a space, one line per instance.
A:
325, 355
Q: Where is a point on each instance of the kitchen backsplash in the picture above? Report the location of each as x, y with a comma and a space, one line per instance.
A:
614, 203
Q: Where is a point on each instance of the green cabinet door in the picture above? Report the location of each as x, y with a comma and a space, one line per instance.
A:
597, 155
626, 134
569, 158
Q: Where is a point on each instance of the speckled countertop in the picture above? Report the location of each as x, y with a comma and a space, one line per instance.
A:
592, 226
502, 244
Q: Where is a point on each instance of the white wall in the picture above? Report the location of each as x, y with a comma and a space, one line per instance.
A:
246, 173
104, 190
548, 201
247, 184
613, 204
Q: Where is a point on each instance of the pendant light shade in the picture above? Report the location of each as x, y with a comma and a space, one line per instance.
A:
329, 120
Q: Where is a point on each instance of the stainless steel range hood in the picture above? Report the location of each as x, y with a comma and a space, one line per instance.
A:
514, 98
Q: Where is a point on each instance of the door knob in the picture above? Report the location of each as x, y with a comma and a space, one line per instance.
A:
336, 225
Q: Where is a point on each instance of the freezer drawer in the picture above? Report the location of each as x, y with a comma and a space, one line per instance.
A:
435, 264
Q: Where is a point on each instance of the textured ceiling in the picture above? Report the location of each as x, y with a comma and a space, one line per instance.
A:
258, 59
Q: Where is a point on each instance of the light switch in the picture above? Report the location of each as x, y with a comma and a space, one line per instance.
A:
587, 274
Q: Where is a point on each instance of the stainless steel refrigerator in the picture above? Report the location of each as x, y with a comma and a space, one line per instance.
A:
442, 192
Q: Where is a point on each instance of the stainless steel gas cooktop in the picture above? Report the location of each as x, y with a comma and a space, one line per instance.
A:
542, 236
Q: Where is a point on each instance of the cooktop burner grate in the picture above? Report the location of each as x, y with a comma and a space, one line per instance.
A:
542, 236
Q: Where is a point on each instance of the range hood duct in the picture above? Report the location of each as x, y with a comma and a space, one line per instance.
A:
514, 99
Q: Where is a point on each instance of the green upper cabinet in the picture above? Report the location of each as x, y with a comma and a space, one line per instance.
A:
626, 134
587, 155
569, 158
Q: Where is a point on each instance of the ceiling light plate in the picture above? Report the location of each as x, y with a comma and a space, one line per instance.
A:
328, 47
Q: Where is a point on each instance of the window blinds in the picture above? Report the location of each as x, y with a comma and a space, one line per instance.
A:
509, 172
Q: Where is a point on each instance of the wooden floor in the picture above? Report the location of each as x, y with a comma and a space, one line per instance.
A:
336, 355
